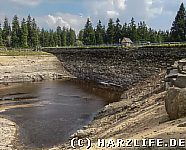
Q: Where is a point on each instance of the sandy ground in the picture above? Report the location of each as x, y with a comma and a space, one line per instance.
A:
7, 134
30, 68
9, 130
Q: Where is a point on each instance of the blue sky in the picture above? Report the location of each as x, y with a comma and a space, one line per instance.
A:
158, 14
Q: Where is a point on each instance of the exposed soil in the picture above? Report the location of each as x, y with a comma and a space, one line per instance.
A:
30, 68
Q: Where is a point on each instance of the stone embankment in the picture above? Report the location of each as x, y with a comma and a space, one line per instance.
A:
120, 67
30, 68
175, 100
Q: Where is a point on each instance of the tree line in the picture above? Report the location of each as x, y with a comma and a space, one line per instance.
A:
178, 29
115, 32
138, 33
28, 35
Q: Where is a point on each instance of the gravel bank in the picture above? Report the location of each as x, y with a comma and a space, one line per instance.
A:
30, 68
7, 134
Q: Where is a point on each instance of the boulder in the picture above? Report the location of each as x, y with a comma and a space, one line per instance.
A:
175, 102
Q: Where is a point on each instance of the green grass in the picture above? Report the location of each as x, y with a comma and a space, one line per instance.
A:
85, 47
21, 53
96, 47
183, 45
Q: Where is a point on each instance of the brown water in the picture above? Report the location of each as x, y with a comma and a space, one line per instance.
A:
61, 108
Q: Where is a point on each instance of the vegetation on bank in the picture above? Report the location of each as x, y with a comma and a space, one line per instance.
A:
166, 46
22, 53
87, 47
121, 47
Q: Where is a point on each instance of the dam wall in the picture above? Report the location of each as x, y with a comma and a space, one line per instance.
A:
117, 66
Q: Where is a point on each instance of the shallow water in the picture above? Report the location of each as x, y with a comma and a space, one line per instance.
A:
61, 108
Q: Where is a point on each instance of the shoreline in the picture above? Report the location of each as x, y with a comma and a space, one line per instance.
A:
14, 142
142, 115
104, 112
121, 111
139, 113
16, 70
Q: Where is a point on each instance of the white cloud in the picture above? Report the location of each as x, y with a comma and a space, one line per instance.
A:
27, 2
105, 8
62, 19
56, 21
121, 4
141, 10
2, 17
112, 14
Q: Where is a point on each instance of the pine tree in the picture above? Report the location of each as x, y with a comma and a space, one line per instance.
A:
104, 35
110, 32
179, 25
99, 32
133, 30
1, 36
34, 34
42, 37
64, 37
29, 27
6, 33
125, 30
80, 36
118, 32
89, 34
71, 37
24, 34
55, 38
142, 31
67, 37
51, 39
58, 30
15, 32
46, 42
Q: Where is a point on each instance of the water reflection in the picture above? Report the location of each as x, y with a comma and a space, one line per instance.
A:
64, 106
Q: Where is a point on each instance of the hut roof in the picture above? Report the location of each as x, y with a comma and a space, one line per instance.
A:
126, 40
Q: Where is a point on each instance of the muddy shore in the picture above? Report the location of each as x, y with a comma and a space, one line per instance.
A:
18, 69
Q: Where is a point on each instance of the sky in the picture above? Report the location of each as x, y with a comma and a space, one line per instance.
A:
158, 14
